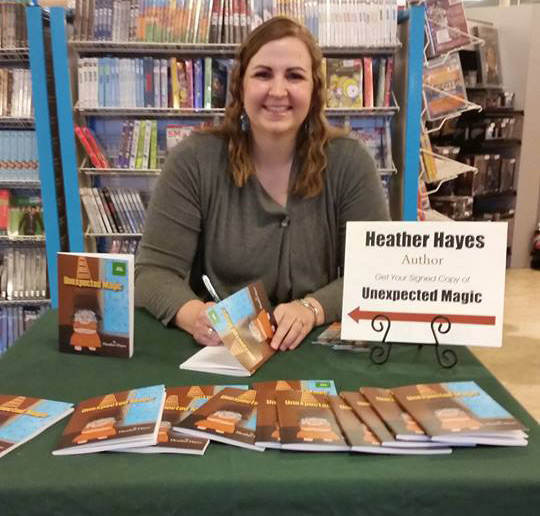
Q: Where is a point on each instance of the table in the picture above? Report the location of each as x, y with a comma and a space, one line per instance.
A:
234, 481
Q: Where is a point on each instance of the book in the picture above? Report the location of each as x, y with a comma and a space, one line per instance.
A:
398, 420
344, 83
307, 423
444, 87
96, 304
460, 412
364, 411
267, 431
125, 419
180, 402
245, 323
23, 418
446, 26
228, 417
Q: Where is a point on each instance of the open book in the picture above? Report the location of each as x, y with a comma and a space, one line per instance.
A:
246, 325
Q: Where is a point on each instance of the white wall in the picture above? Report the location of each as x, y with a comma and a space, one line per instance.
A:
519, 41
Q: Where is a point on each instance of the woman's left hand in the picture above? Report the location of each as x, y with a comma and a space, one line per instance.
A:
294, 322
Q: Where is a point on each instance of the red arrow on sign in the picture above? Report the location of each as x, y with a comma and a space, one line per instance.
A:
358, 314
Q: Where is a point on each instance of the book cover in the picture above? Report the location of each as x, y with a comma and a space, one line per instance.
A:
398, 420
344, 83
446, 26
489, 61
180, 402
307, 423
228, 417
365, 412
267, 431
96, 304
460, 412
114, 421
444, 87
22, 418
246, 325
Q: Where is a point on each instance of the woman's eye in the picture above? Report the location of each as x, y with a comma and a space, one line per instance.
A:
264, 75
296, 76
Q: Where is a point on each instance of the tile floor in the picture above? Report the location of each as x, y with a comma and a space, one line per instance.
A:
517, 363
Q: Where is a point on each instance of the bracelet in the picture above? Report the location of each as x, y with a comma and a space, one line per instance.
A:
314, 310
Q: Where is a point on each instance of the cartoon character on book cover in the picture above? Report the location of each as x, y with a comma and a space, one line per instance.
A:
93, 305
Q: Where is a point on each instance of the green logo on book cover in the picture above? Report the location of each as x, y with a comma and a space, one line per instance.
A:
119, 268
322, 385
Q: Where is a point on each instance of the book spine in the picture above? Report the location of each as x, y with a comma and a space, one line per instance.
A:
207, 83
368, 82
388, 81
153, 146
112, 209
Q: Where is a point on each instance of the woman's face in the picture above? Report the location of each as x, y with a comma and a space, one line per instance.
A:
278, 85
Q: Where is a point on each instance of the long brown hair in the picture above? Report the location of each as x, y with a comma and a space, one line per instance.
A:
315, 131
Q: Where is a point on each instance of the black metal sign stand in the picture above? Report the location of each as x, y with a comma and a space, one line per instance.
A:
440, 325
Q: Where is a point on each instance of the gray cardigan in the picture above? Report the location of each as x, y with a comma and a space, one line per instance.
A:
199, 222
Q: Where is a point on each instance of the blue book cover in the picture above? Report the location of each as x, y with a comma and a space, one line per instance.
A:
96, 304
22, 418
114, 421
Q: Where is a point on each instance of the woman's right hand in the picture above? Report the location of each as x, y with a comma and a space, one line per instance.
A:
192, 317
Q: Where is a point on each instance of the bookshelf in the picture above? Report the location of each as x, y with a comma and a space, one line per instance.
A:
23, 278
97, 118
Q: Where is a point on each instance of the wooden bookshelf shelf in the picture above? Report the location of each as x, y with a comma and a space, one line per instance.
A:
24, 302
176, 113
120, 171
14, 54
29, 184
204, 49
23, 239
113, 235
11, 122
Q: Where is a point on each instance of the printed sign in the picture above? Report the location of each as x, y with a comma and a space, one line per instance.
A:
412, 272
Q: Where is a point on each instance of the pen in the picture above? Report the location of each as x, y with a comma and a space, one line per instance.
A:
210, 288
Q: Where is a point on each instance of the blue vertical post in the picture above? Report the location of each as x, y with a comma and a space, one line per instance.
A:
44, 144
64, 111
415, 60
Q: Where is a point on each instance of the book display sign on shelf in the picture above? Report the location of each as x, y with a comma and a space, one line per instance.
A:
96, 304
446, 26
444, 87
412, 273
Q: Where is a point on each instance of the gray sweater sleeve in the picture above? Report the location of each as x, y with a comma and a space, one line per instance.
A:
171, 236
358, 192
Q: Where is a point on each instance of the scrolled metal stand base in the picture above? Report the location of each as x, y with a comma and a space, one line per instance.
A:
440, 324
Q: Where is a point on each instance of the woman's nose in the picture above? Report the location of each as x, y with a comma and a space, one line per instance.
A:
278, 87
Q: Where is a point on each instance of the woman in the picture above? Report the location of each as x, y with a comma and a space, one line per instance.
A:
265, 196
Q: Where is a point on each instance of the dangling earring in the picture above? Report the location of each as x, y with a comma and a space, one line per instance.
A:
244, 122
307, 126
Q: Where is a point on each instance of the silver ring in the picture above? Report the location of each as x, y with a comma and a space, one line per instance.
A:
210, 331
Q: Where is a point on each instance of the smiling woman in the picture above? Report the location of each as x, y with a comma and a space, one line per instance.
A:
266, 195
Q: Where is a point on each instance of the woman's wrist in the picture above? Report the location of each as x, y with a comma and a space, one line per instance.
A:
315, 308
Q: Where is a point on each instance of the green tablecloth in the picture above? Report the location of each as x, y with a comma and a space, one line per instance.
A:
229, 480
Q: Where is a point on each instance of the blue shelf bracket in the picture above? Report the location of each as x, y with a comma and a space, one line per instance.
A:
44, 144
414, 112
64, 113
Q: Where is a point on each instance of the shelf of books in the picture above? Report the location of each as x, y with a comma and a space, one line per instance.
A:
148, 75
470, 146
23, 274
